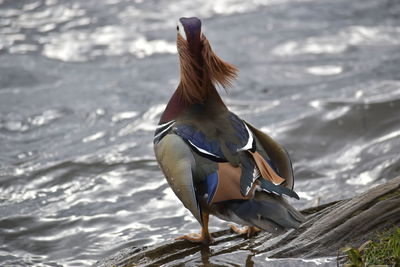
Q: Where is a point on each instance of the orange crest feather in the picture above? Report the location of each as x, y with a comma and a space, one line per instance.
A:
197, 80
218, 70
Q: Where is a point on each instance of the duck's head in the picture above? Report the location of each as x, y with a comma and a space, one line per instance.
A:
189, 29
201, 68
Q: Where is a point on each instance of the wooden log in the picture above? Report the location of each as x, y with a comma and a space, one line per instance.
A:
328, 228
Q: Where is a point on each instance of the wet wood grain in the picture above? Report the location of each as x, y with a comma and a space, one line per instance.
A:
328, 228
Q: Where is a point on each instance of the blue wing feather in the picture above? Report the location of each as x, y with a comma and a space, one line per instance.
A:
198, 140
212, 182
208, 147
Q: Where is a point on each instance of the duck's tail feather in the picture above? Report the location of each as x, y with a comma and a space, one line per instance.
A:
270, 213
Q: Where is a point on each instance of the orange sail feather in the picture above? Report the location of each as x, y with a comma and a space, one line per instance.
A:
266, 171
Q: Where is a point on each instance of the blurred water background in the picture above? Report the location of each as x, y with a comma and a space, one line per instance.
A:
83, 83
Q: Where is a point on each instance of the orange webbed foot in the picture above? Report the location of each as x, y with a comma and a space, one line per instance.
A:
249, 231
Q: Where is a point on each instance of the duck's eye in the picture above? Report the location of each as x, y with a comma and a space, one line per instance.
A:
180, 28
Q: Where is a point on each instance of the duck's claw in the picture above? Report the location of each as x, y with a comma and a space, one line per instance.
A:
249, 231
197, 238
204, 237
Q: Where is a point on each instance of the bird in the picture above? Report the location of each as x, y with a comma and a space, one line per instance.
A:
215, 162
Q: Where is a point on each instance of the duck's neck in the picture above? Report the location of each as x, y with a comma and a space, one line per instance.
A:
177, 105
196, 92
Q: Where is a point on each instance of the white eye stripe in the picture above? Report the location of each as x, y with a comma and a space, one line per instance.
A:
181, 30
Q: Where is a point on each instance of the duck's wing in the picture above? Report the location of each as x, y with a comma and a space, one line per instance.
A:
277, 154
237, 146
177, 162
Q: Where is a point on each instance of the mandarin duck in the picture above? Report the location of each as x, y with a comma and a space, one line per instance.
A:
215, 162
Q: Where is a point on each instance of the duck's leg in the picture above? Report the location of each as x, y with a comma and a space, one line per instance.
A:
249, 231
204, 237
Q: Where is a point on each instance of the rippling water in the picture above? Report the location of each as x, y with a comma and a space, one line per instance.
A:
82, 84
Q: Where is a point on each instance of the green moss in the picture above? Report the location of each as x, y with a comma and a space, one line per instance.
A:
385, 251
